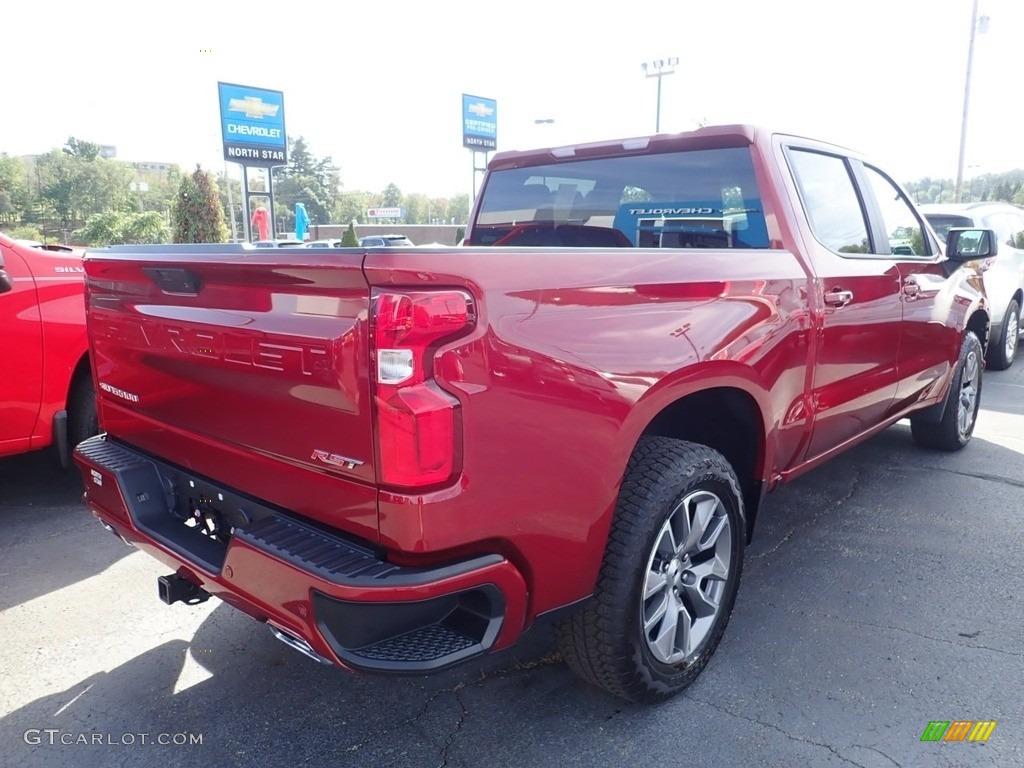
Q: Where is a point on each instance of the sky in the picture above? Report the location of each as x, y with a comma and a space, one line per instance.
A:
377, 86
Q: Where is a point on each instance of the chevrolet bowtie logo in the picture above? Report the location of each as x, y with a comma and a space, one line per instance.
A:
253, 107
481, 110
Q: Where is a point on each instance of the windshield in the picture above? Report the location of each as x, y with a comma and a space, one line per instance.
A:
696, 199
944, 222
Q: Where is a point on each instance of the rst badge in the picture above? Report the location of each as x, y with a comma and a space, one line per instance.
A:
334, 459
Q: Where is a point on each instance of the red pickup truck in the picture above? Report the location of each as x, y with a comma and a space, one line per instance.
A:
46, 394
404, 458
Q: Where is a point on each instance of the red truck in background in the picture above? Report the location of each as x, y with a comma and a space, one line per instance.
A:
46, 392
404, 458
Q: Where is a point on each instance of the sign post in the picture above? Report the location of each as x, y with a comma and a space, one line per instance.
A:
254, 136
479, 129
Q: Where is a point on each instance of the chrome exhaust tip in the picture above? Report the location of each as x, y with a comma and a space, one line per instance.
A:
122, 539
298, 644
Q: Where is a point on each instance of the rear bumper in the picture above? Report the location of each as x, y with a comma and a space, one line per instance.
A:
337, 594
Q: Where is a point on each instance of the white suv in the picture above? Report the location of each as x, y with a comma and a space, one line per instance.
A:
1004, 278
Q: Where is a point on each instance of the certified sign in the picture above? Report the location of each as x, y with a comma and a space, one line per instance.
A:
252, 125
479, 123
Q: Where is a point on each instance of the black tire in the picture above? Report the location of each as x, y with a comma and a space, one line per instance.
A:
82, 420
605, 642
1003, 349
960, 408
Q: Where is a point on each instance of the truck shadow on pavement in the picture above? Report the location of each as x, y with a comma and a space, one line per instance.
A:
820, 546
43, 520
256, 702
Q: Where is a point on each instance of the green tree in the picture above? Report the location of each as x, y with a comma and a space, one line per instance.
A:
61, 187
117, 228
86, 150
102, 229
349, 239
75, 185
458, 209
14, 189
234, 199
351, 206
198, 215
391, 197
416, 206
146, 227
306, 179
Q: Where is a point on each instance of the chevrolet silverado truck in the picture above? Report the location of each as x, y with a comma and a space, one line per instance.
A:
402, 459
46, 392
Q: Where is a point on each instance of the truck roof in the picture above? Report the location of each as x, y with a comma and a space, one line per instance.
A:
706, 137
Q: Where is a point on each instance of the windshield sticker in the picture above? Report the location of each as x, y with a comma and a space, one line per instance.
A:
692, 224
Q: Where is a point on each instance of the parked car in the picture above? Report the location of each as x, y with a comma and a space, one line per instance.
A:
278, 243
323, 244
46, 393
1004, 275
384, 241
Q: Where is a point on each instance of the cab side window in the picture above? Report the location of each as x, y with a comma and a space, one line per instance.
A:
831, 201
906, 234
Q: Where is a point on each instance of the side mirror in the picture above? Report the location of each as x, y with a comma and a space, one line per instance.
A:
964, 244
5, 279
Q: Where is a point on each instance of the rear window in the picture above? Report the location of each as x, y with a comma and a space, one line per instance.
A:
943, 222
696, 199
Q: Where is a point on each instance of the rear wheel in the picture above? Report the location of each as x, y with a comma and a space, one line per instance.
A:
960, 409
669, 577
1004, 349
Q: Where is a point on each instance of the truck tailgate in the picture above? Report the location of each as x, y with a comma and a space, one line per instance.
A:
211, 356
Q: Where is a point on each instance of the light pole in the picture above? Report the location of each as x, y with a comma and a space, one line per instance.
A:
659, 68
977, 25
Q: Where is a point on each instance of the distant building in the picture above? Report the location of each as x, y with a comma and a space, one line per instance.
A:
108, 151
153, 170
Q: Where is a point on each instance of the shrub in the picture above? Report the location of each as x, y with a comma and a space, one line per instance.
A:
198, 214
349, 239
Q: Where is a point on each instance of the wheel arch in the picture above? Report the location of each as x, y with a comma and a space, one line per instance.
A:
980, 323
81, 371
727, 415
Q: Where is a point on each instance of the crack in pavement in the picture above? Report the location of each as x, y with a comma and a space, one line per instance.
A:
518, 666
873, 749
408, 721
773, 727
856, 622
808, 522
445, 757
973, 475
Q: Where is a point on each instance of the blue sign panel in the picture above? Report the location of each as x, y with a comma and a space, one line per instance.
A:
252, 125
479, 123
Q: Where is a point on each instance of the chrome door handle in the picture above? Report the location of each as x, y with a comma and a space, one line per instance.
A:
911, 289
838, 298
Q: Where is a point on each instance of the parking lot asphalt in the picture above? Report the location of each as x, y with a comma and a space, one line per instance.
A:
883, 591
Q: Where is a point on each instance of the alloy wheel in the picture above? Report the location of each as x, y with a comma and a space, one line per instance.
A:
967, 404
686, 578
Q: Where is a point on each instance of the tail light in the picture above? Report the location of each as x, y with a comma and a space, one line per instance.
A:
415, 417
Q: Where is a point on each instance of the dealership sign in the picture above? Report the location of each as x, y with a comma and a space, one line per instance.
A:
385, 213
479, 123
252, 125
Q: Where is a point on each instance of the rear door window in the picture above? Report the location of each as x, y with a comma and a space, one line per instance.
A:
831, 202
